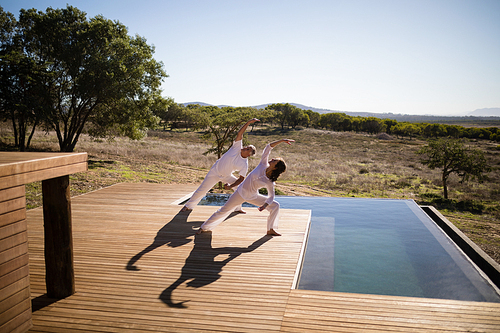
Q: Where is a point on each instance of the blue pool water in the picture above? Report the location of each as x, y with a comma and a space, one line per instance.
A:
385, 247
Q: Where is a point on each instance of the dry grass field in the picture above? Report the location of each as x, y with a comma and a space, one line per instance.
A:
320, 163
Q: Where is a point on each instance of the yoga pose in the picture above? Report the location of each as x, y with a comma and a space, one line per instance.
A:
235, 159
264, 175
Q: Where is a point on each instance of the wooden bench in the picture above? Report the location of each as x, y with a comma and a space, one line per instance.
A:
16, 170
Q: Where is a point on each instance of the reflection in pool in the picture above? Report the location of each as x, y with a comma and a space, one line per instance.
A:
381, 246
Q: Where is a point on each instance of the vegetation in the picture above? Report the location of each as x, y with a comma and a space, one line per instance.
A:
452, 156
320, 163
70, 74
287, 116
222, 126
66, 79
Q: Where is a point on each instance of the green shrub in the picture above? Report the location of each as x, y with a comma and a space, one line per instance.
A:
263, 191
473, 206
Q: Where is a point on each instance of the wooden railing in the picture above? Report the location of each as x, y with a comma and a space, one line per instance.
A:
16, 170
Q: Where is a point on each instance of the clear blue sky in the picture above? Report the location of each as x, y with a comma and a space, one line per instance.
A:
439, 57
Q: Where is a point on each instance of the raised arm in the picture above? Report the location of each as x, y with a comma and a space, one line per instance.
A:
275, 143
243, 128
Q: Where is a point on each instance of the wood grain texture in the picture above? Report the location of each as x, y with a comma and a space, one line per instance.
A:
17, 169
21, 168
140, 268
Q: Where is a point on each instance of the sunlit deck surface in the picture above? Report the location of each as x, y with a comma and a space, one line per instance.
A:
137, 269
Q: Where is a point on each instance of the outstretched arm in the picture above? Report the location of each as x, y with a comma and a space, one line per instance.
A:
242, 130
236, 183
275, 143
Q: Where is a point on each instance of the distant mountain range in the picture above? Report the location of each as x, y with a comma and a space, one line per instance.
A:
262, 106
487, 112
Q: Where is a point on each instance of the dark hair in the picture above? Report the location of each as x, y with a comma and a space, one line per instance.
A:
279, 169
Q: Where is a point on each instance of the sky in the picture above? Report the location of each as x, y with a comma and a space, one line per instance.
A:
434, 57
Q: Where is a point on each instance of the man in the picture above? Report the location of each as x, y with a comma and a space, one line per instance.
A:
235, 159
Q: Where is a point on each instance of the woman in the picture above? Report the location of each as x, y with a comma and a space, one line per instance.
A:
264, 175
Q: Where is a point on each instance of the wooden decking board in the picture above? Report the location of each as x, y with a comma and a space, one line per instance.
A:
249, 292
388, 312
392, 301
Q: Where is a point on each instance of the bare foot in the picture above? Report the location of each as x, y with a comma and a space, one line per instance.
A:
185, 209
200, 231
271, 232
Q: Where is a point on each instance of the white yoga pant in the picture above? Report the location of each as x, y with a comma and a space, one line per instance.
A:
210, 180
236, 200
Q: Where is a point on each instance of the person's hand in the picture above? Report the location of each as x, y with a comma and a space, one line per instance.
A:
227, 186
254, 120
289, 141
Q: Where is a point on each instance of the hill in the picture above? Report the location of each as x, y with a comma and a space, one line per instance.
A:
486, 112
480, 117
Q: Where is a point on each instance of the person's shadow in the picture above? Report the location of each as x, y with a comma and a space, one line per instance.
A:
174, 234
202, 268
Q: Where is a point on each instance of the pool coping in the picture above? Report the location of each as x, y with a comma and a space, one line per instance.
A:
489, 267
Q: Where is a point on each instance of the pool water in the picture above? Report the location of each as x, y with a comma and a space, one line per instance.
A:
384, 247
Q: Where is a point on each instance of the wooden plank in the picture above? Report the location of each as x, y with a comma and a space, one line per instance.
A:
13, 252
13, 216
121, 225
12, 205
17, 169
11, 193
12, 229
26, 162
12, 277
37, 175
20, 323
140, 268
14, 264
14, 287
310, 310
12, 241
21, 296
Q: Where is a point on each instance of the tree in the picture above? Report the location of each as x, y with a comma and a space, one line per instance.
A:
314, 118
373, 125
297, 117
98, 78
287, 114
332, 120
170, 114
223, 124
453, 156
20, 79
389, 124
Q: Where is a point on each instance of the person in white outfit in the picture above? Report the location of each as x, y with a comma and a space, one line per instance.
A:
235, 159
264, 175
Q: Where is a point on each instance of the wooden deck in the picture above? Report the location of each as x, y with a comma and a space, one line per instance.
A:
140, 268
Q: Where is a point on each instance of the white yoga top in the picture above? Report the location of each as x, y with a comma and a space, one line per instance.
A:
232, 161
249, 188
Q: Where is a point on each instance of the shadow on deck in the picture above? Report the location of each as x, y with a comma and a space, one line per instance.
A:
140, 268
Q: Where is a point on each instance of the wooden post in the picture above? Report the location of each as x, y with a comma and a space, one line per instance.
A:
59, 272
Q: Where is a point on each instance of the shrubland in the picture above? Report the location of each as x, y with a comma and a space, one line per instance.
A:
320, 163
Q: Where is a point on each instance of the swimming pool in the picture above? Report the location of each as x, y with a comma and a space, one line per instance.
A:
385, 247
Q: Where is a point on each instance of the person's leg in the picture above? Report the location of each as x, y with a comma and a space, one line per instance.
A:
210, 180
222, 213
273, 218
231, 179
